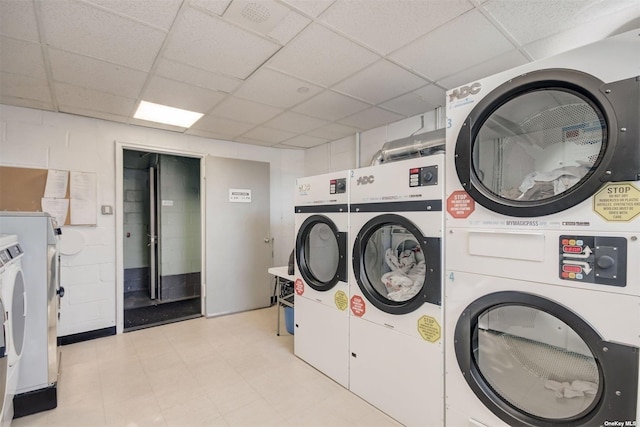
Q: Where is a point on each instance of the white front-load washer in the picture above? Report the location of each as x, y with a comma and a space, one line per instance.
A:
542, 279
396, 223
15, 306
4, 344
321, 297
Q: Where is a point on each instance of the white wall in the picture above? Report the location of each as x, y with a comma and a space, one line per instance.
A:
42, 139
341, 154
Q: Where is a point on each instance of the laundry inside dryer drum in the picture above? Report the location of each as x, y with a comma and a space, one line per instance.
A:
535, 362
394, 263
538, 145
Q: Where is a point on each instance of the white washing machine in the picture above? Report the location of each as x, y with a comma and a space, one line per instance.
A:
15, 310
4, 339
396, 224
542, 279
321, 291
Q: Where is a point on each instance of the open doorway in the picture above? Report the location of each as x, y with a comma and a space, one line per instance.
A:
162, 239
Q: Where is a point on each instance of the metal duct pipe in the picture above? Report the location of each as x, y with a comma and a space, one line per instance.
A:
419, 145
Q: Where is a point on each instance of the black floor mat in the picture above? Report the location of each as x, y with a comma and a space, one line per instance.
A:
154, 315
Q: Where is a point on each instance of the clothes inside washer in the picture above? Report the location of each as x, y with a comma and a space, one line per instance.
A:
407, 274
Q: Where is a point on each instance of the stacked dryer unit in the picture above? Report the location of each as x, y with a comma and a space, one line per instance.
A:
13, 300
321, 291
542, 277
396, 223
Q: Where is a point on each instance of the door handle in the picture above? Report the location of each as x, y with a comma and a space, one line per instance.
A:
267, 239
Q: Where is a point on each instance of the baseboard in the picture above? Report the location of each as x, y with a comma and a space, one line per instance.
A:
35, 401
86, 336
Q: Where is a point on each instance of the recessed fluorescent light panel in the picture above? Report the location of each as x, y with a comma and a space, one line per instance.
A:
167, 115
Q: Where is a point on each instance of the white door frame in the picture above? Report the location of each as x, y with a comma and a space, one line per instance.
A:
120, 147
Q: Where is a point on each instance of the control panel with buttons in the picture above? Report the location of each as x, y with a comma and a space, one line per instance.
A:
594, 259
421, 177
338, 186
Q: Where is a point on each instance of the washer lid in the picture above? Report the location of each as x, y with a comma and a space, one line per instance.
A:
545, 141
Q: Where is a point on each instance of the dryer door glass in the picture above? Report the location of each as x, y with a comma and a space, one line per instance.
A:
535, 362
322, 253
394, 263
538, 145
18, 314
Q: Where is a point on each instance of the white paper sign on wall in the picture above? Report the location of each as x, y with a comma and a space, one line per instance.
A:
237, 195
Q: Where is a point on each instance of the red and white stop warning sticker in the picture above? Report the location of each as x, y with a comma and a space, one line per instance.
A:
299, 286
358, 307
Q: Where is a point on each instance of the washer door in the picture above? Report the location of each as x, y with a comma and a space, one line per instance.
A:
321, 253
546, 141
533, 362
396, 267
17, 321
4, 360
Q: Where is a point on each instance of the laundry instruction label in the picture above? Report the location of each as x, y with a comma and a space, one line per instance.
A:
298, 286
460, 204
429, 328
342, 300
617, 201
358, 307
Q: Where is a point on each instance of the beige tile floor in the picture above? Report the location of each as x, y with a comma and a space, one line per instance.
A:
225, 371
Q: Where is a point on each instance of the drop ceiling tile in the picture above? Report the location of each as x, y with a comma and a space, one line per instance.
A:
495, 65
290, 26
220, 126
201, 41
466, 41
295, 122
304, 141
262, 16
87, 99
250, 141
321, 56
247, 111
196, 77
371, 118
215, 6
18, 19
330, 106
583, 34
80, 28
181, 95
333, 131
366, 84
19, 86
155, 125
559, 15
208, 134
286, 147
160, 13
368, 21
22, 57
94, 114
94, 74
417, 102
312, 8
266, 134
24, 102
273, 88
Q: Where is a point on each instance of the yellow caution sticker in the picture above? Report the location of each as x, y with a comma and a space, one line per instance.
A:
429, 328
342, 300
617, 201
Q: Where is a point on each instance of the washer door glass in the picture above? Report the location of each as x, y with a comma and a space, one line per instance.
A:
535, 362
322, 253
394, 263
396, 267
18, 324
538, 145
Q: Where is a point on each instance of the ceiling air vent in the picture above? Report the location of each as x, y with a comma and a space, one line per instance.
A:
261, 16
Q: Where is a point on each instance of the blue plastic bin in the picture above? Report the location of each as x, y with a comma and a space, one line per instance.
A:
288, 319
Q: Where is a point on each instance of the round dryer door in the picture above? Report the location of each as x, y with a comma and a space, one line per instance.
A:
396, 267
533, 362
18, 314
4, 360
545, 141
321, 253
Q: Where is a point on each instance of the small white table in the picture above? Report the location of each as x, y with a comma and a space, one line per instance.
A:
281, 274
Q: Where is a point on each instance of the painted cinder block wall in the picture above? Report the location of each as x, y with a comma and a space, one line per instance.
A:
47, 140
